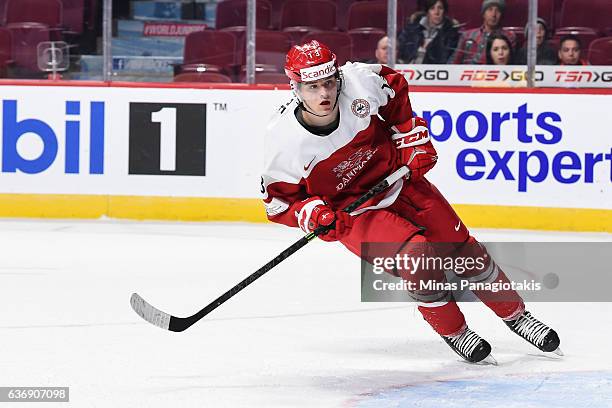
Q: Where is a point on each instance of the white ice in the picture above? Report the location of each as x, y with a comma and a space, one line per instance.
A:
298, 337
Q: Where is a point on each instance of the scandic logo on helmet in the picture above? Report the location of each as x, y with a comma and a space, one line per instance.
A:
319, 71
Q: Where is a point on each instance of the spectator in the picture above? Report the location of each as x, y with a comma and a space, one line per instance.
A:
499, 50
431, 37
381, 51
546, 55
473, 43
569, 51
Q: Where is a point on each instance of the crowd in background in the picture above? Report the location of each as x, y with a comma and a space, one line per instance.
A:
432, 36
212, 43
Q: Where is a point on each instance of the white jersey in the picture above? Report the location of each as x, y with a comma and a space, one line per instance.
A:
343, 165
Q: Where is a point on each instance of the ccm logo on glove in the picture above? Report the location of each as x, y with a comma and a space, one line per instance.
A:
414, 147
412, 133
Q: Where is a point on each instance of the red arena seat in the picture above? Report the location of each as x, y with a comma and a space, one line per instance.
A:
202, 77
320, 14
595, 14
3, 12
231, 13
47, 12
600, 51
210, 47
271, 78
365, 41
516, 13
5, 51
25, 37
466, 12
372, 14
74, 15
271, 48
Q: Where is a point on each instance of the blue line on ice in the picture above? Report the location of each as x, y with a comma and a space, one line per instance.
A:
570, 389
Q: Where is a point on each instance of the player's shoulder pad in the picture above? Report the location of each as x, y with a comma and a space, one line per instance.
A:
281, 113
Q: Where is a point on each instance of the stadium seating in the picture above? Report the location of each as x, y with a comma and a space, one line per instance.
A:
47, 12
319, 14
270, 48
372, 14
266, 75
211, 47
25, 37
231, 13
74, 15
202, 77
600, 51
277, 8
516, 13
342, 7
5, 51
2, 12
91, 13
271, 78
595, 14
198, 68
466, 12
339, 42
365, 41
586, 35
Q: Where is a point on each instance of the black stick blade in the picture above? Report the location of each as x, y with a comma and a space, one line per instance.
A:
150, 313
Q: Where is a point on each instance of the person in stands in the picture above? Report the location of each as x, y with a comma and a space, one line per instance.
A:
431, 37
546, 55
473, 43
499, 50
569, 51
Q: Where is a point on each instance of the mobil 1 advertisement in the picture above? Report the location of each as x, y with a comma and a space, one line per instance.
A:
133, 141
542, 150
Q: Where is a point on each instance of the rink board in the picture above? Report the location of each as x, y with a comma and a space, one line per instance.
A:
536, 159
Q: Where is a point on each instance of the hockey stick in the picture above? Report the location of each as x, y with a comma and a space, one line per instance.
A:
177, 324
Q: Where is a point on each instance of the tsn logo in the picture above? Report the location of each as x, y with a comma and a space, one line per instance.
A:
582, 76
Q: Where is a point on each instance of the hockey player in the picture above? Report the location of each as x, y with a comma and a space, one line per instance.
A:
343, 131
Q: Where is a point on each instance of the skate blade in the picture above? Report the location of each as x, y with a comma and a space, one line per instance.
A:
488, 360
558, 352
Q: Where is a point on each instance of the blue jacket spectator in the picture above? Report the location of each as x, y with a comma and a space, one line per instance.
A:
431, 37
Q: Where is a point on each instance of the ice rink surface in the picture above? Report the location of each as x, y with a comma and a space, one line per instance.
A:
298, 337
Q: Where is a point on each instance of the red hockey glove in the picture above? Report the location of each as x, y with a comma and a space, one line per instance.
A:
315, 213
414, 147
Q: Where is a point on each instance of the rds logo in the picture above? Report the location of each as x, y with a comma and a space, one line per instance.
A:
13, 130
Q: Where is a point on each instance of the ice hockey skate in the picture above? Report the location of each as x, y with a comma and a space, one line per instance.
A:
536, 333
471, 347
